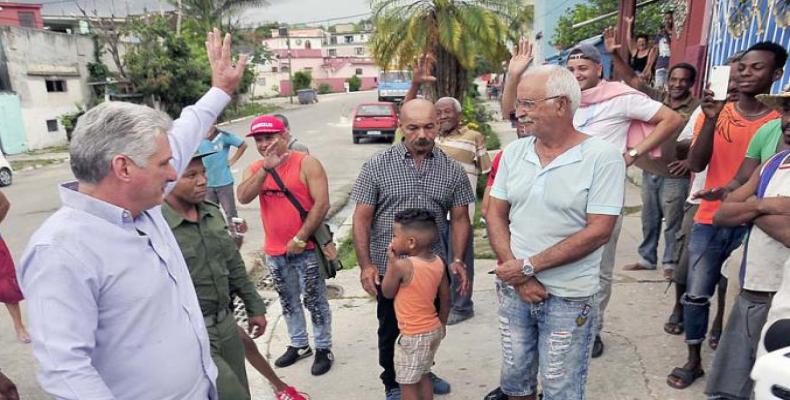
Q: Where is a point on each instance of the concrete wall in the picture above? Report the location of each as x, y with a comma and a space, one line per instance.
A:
350, 70
12, 128
34, 56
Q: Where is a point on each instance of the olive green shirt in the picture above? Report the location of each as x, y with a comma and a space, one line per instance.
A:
669, 147
214, 263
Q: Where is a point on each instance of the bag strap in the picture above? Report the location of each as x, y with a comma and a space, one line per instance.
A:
768, 172
288, 194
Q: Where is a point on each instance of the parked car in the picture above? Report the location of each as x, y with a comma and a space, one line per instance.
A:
375, 120
5, 171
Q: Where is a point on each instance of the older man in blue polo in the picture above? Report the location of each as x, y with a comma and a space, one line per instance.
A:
553, 206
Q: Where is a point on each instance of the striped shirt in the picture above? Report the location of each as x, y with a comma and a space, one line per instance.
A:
391, 182
468, 148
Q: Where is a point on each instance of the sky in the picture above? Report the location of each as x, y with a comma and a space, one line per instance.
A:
289, 11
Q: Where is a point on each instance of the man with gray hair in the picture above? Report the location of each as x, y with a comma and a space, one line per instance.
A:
113, 312
467, 147
548, 277
617, 114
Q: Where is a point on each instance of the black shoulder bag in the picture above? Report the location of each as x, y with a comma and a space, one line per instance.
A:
322, 237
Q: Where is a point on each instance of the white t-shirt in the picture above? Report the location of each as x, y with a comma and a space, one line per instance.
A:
698, 179
762, 269
609, 120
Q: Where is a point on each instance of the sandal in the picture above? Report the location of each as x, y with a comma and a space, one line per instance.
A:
713, 341
674, 325
683, 377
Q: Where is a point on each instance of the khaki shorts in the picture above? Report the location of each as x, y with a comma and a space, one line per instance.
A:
414, 355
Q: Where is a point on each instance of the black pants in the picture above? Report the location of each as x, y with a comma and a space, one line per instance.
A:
388, 333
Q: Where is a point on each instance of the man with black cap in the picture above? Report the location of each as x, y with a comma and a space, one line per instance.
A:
217, 271
289, 251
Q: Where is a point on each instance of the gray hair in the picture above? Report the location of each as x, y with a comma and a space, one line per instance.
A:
456, 103
560, 82
114, 128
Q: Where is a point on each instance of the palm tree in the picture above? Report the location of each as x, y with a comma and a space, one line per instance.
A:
209, 13
455, 32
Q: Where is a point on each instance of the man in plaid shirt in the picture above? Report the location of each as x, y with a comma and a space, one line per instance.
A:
411, 174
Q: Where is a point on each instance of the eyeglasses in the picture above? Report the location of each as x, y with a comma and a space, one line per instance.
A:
530, 104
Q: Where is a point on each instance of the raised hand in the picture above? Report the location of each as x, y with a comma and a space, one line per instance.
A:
224, 73
711, 108
422, 70
610, 40
522, 57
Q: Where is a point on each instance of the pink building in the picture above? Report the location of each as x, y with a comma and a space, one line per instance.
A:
21, 15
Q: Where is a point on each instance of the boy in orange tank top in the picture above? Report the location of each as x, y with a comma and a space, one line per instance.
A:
415, 277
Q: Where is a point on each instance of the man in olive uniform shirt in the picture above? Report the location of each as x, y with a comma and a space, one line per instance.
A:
217, 271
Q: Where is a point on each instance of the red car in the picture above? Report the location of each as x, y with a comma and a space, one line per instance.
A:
375, 120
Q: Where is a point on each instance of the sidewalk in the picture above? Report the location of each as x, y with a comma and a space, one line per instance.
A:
635, 364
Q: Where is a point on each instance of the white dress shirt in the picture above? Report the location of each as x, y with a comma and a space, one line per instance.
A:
112, 310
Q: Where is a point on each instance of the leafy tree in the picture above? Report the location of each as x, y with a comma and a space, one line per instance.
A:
163, 67
302, 80
648, 21
324, 88
454, 32
265, 31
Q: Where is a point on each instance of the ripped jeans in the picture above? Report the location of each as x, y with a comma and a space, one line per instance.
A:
296, 276
553, 338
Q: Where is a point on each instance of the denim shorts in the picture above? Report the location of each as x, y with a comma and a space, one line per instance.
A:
553, 338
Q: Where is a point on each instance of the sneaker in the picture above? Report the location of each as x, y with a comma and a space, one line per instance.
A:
496, 394
323, 361
440, 386
392, 394
292, 355
456, 318
597, 347
290, 393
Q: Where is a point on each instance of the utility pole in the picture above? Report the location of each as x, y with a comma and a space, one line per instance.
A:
178, 19
284, 31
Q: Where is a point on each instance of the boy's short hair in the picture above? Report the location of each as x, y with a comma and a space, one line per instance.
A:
416, 218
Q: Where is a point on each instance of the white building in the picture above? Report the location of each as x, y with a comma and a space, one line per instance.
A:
48, 72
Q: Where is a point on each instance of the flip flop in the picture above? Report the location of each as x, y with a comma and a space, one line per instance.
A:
685, 376
637, 267
674, 325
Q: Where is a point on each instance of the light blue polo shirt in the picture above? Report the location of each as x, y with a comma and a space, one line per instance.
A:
548, 205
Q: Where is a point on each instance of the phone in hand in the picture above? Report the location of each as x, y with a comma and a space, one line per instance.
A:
719, 81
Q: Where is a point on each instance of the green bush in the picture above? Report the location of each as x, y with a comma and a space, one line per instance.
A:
302, 80
354, 83
324, 88
248, 109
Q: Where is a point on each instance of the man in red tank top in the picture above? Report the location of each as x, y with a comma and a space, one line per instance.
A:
287, 236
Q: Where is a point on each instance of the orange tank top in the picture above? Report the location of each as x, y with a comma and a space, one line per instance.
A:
281, 221
414, 303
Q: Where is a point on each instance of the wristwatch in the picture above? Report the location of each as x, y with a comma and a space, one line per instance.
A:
527, 269
299, 242
633, 153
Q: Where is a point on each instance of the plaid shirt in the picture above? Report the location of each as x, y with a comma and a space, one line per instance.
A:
392, 182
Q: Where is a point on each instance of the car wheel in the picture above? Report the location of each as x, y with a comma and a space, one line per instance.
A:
5, 177
355, 139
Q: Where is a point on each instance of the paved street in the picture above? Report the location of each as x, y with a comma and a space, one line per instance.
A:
324, 127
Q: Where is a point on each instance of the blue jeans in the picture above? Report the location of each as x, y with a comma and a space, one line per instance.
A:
661, 78
296, 276
553, 338
461, 305
662, 199
708, 247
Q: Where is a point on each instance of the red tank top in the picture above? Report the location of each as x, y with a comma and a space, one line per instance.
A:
281, 221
